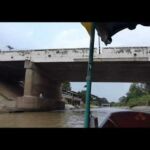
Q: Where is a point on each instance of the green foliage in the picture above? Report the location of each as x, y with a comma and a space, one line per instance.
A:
112, 103
66, 86
123, 99
139, 101
139, 94
135, 91
94, 99
82, 95
146, 87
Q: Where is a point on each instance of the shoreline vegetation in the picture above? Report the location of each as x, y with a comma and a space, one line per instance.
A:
7, 105
138, 95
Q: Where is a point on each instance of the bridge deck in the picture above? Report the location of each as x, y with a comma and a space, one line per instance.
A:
113, 65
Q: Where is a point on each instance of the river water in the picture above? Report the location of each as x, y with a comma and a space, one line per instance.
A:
53, 119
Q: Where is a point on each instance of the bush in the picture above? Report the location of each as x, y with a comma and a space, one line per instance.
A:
139, 101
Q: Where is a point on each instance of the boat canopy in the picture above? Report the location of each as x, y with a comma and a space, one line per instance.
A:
107, 30
126, 119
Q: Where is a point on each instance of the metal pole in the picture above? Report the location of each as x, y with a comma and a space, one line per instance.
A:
99, 44
89, 77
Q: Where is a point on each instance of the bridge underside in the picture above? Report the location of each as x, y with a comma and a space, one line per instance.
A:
46, 79
76, 71
12, 71
102, 71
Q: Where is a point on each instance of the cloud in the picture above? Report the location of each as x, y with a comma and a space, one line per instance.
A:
137, 37
42, 35
64, 35
29, 34
15, 34
71, 38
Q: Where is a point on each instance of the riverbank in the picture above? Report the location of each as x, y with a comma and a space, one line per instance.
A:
141, 108
136, 108
7, 105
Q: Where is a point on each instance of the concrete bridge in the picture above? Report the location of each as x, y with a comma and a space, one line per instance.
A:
31, 73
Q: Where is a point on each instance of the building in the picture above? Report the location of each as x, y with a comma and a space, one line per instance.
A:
71, 97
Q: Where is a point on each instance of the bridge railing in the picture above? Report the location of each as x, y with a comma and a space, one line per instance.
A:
78, 54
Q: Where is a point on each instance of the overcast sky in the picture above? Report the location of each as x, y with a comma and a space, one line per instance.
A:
71, 35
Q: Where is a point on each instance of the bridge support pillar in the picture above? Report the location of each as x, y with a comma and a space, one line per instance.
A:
40, 93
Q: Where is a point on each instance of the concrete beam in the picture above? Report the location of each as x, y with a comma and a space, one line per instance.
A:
78, 54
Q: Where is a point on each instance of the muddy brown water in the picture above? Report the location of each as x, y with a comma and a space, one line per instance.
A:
53, 119
56, 119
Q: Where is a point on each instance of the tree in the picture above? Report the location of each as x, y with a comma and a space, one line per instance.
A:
94, 99
103, 100
135, 91
146, 87
82, 95
138, 94
123, 99
66, 86
113, 103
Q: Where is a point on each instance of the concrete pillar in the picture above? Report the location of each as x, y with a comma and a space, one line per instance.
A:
28, 82
36, 84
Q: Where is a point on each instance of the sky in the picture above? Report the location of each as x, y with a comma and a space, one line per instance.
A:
71, 35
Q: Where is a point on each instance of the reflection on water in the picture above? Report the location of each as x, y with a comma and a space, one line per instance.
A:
60, 119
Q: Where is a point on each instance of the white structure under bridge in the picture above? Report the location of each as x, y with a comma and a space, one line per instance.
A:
105, 105
71, 97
